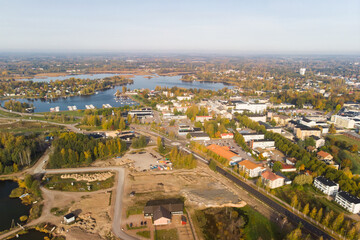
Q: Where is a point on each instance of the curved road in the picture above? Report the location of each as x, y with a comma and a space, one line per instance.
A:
118, 197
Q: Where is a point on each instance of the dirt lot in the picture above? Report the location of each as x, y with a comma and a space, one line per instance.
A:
200, 190
93, 211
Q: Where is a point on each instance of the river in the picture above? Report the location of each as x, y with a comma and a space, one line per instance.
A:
107, 96
10, 208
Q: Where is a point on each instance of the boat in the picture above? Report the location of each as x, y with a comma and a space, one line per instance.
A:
57, 109
52, 109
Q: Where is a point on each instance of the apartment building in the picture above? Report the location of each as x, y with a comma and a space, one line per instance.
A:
326, 186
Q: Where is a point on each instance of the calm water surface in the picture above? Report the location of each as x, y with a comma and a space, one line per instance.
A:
10, 208
107, 96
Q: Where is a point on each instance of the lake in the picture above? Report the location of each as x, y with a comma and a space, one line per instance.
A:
10, 208
107, 96
32, 234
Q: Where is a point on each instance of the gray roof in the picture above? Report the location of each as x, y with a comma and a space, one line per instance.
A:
348, 197
159, 212
326, 181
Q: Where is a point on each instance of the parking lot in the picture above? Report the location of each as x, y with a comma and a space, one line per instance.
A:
148, 160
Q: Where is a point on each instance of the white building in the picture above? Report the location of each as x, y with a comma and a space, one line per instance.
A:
253, 136
250, 168
69, 218
162, 107
326, 185
202, 119
343, 122
272, 180
348, 201
199, 136
258, 118
184, 98
241, 106
262, 144
302, 71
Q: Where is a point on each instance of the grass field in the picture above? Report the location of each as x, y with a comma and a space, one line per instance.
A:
23, 127
354, 157
306, 194
164, 234
258, 226
341, 137
145, 234
8, 114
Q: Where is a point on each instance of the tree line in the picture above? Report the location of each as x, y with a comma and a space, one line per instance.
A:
17, 152
73, 150
181, 159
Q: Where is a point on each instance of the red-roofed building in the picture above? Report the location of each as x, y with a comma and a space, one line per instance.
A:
224, 151
272, 180
250, 168
287, 168
324, 156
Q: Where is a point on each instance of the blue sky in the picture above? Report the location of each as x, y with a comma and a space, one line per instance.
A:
263, 26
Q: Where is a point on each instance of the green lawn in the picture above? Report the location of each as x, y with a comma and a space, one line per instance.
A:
24, 127
258, 226
8, 114
354, 157
341, 137
145, 234
134, 210
164, 234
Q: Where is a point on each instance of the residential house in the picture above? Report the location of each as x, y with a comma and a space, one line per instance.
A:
324, 156
326, 185
250, 168
161, 211
272, 180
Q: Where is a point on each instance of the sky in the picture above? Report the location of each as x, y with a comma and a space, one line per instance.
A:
213, 26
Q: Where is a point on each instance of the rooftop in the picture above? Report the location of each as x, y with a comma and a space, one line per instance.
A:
348, 197
221, 151
270, 175
326, 181
323, 154
249, 165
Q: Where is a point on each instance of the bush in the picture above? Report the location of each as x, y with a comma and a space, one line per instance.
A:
23, 218
303, 179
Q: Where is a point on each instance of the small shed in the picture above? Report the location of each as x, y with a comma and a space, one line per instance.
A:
69, 218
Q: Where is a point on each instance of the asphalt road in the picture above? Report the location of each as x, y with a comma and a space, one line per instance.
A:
277, 207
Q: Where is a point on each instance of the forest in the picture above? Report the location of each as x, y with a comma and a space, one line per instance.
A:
17, 152
74, 150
